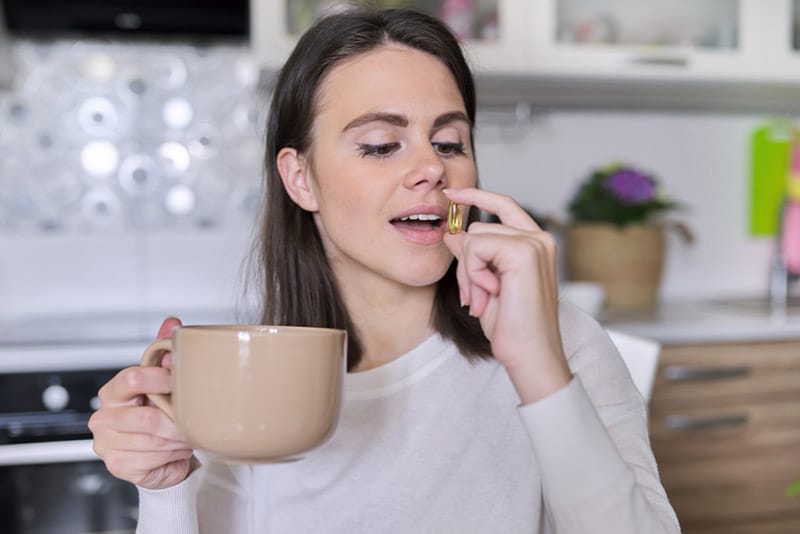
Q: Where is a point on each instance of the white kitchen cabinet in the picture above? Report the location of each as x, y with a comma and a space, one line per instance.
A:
683, 39
699, 55
494, 32
720, 40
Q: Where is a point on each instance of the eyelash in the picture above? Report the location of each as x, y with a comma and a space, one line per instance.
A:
385, 150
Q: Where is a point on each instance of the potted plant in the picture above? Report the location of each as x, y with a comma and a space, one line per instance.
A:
616, 236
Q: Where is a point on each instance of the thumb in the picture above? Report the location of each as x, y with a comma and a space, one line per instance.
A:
454, 243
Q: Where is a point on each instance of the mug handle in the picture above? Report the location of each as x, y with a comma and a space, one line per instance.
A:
152, 358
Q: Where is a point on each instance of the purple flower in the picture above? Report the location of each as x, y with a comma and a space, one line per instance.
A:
631, 187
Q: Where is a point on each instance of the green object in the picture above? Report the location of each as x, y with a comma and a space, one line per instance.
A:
618, 194
769, 167
793, 489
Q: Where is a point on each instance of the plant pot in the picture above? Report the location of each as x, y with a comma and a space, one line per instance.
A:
626, 261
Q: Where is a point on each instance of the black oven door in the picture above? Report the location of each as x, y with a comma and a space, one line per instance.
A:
65, 498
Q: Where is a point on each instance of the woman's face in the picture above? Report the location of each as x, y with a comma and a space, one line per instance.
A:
391, 132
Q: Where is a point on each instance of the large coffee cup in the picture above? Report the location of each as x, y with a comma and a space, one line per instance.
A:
253, 394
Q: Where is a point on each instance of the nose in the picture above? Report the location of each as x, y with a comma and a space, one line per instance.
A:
427, 171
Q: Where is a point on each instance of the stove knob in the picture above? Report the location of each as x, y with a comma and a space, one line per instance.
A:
55, 398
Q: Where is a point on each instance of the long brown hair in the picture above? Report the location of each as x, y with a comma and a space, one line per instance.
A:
298, 284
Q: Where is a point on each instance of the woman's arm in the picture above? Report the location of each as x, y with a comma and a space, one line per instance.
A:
215, 499
585, 417
591, 441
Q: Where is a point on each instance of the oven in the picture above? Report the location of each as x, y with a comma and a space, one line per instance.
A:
51, 369
51, 482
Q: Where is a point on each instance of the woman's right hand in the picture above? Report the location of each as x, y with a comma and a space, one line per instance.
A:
137, 441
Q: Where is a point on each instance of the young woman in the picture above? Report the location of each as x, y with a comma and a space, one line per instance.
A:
475, 402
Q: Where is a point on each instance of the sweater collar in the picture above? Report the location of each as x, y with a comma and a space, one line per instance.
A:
400, 372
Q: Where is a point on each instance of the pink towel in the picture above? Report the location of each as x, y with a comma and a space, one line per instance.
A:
790, 242
790, 247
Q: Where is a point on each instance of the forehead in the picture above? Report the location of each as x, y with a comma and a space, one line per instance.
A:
392, 78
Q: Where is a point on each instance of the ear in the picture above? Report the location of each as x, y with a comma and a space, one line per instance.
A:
294, 171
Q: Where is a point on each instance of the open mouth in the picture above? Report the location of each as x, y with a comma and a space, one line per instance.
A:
421, 222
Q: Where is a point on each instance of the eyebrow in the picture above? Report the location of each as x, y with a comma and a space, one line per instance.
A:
453, 116
391, 118
400, 120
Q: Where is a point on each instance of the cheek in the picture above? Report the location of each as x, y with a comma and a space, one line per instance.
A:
463, 173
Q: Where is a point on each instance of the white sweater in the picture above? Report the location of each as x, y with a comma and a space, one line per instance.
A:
430, 443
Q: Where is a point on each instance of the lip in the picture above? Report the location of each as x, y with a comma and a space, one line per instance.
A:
422, 237
427, 209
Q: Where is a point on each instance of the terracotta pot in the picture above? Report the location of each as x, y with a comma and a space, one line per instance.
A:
627, 261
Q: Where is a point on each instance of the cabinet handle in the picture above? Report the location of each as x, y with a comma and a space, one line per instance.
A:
661, 61
681, 373
684, 422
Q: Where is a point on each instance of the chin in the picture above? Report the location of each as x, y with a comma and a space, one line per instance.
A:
423, 276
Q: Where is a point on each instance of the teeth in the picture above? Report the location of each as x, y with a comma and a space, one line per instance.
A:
421, 217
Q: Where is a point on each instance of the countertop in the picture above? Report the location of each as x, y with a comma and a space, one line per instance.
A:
78, 341
735, 320
118, 339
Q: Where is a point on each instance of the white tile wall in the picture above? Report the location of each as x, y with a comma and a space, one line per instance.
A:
702, 160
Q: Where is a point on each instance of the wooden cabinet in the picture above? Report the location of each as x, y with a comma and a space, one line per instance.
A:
725, 429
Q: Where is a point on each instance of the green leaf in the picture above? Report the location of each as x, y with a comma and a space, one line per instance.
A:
594, 202
793, 489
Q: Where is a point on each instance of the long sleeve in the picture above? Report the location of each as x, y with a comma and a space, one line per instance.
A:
591, 442
214, 499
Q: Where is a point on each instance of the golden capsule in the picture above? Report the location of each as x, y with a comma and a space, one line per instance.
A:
454, 217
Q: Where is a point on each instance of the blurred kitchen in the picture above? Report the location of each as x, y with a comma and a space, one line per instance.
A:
131, 137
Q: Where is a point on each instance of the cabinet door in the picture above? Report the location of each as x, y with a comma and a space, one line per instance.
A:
493, 32
725, 431
656, 39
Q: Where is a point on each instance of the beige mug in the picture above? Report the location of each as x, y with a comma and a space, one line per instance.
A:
253, 394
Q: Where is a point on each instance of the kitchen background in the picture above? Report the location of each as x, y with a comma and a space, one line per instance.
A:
131, 173
130, 181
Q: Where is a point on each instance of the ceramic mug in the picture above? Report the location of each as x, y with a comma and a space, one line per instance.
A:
253, 394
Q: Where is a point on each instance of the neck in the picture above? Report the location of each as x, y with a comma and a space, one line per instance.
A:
391, 319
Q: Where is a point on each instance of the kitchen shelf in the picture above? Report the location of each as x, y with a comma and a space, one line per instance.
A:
546, 91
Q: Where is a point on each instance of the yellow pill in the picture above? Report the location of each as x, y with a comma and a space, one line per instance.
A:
454, 218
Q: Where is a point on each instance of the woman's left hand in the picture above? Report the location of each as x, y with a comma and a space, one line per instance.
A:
507, 276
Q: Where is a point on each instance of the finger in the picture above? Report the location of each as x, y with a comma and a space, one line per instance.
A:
454, 243
167, 327
478, 258
505, 207
479, 301
135, 420
493, 228
130, 383
463, 283
165, 332
138, 442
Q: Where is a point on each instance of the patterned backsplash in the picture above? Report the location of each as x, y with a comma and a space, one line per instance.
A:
107, 135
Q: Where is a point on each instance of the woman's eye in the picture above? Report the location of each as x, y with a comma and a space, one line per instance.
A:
449, 149
378, 151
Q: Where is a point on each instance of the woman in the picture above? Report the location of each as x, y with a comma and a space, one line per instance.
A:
464, 409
